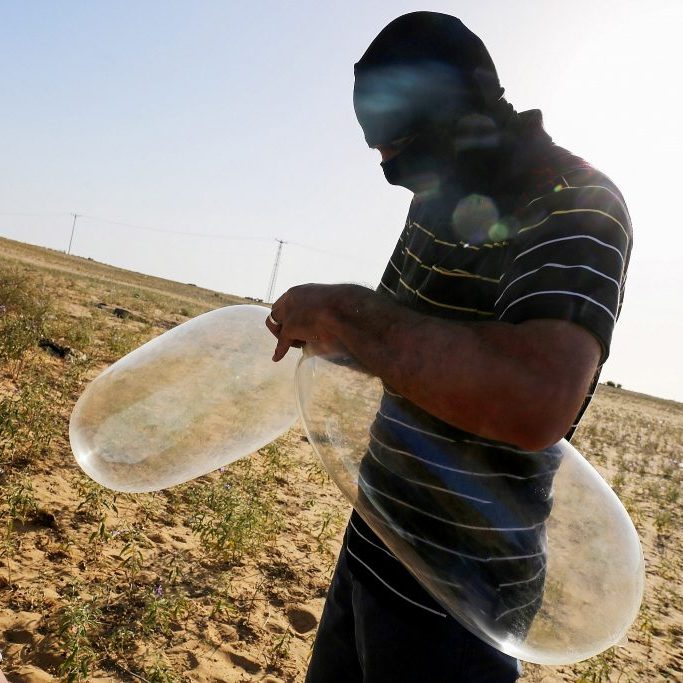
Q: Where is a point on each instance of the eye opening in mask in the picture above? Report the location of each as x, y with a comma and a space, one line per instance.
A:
399, 100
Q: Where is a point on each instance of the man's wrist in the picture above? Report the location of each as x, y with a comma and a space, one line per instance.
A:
366, 324
344, 307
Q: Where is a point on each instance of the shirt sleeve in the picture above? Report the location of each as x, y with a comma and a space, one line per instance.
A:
568, 258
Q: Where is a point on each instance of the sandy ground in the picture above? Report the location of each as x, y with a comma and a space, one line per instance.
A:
132, 589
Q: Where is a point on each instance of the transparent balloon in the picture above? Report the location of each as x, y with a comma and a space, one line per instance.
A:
531, 551
186, 403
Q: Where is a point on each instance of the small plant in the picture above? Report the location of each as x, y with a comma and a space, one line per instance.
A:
131, 557
663, 524
96, 503
19, 503
160, 672
27, 419
71, 332
598, 669
246, 603
330, 524
174, 570
646, 625
121, 639
278, 651
618, 481
235, 514
161, 611
8, 548
9, 425
24, 309
222, 606
148, 506
275, 457
76, 622
315, 472
673, 493
120, 341
95, 500
222, 603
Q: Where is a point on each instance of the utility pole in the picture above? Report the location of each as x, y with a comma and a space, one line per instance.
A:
273, 275
73, 227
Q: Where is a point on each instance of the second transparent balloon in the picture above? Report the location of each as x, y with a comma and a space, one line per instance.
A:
531, 551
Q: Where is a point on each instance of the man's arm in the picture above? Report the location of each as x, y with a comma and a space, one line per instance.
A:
520, 384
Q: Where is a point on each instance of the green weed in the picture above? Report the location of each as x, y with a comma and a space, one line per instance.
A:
161, 611
78, 333
234, 514
95, 500
24, 310
120, 340
27, 419
278, 651
330, 524
598, 669
77, 620
18, 504
160, 672
663, 520
131, 557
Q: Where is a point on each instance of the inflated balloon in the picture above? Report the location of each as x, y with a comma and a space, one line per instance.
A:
531, 551
188, 402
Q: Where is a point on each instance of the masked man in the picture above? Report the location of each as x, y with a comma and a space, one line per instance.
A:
490, 326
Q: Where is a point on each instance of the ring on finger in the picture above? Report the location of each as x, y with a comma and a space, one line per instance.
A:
273, 321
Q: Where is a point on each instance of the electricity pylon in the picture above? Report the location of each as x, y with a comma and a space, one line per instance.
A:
273, 275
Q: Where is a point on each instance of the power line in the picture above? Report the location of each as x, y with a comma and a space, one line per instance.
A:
183, 233
177, 232
215, 236
321, 251
35, 215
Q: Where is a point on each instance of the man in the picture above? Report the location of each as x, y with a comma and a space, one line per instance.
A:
490, 325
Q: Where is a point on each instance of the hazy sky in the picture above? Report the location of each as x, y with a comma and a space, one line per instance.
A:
235, 119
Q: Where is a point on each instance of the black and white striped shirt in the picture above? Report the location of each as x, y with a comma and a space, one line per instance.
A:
555, 244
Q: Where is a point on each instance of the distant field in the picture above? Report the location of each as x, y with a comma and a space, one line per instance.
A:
224, 578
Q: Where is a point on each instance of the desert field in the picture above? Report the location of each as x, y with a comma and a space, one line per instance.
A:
223, 579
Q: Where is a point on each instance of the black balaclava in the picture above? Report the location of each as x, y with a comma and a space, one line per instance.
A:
427, 77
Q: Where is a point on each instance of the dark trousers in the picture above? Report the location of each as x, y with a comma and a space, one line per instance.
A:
365, 638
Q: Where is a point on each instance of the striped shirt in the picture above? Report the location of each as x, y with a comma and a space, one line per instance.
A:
554, 244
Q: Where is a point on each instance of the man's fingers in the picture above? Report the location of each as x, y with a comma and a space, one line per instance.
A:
284, 345
281, 349
273, 326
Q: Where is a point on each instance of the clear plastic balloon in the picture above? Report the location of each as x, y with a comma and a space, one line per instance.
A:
532, 552
188, 402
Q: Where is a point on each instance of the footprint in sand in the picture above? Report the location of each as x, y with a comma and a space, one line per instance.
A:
301, 620
249, 665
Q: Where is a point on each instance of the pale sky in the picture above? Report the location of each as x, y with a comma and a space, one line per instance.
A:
235, 120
